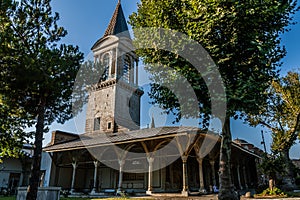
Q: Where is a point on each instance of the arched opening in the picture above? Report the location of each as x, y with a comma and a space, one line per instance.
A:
126, 69
106, 66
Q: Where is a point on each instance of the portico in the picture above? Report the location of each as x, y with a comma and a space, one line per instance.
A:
180, 170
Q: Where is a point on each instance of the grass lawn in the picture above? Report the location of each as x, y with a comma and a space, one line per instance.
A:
119, 198
7, 198
14, 198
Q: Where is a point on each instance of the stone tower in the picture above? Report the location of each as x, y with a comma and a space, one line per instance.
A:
114, 102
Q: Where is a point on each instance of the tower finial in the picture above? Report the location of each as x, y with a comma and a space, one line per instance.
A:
119, 1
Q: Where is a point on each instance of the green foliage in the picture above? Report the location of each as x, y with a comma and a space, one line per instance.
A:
8, 198
37, 72
34, 65
260, 188
69, 198
281, 115
274, 192
286, 121
12, 136
282, 112
242, 37
272, 165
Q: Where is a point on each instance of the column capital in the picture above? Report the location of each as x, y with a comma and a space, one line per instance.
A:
212, 162
200, 160
150, 159
121, 162
96, 163
184, 158
74, 164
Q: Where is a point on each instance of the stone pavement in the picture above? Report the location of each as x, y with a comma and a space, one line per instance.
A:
208, 197
203, 197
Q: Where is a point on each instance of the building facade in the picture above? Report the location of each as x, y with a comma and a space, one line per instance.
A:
115, 155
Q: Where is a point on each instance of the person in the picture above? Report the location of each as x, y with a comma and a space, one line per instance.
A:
215, 189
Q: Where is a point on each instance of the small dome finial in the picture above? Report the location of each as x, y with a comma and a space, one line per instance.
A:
119, 1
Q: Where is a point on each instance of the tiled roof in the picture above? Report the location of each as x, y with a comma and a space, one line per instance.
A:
92, 140
117, 25
88, 140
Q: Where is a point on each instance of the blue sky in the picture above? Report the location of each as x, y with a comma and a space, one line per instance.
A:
86, 21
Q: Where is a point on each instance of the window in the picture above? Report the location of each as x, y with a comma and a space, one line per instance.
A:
97, 124
126, 69
109, 125
106, 65
133, 177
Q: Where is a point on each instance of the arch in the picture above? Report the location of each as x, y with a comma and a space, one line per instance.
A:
160, 144
106, 62
145, 149
127, 68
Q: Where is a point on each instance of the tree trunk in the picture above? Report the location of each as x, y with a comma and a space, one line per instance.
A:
36, 165
226, 191
271, 184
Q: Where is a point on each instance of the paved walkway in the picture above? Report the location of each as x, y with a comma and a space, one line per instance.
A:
203, 197
210, 197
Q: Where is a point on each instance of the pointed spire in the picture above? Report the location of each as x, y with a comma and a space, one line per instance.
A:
117, 25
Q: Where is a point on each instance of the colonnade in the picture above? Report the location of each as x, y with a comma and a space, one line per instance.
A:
241, 173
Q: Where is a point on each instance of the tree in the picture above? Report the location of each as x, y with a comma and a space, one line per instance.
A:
12, 135
37, 72
282, 116
272, 165
242, 37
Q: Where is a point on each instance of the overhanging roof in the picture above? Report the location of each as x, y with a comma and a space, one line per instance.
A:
104, 139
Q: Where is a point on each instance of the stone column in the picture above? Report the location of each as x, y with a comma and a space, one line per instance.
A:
74, 164
137, 73
184, 176
245, 176
96, 164
239, 177
150, 175
201, 189
213, 172
121, 164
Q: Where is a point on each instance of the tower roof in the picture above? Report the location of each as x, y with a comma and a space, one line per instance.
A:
117, 25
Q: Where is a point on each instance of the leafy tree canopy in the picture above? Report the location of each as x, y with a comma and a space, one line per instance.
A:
37, 71
282, 112
242, 37
281, 115
12, 135
33, 63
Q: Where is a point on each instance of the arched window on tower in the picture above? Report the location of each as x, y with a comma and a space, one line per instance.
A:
106, 66
126, 69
